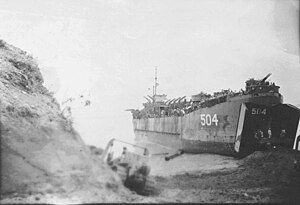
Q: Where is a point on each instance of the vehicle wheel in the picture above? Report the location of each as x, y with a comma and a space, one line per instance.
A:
135, 182
149, 188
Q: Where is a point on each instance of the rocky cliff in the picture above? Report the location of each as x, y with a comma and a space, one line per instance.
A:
41, 154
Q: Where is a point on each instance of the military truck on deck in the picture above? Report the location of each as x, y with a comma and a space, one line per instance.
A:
227, 123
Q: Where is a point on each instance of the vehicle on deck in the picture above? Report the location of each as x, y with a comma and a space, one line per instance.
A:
223, 123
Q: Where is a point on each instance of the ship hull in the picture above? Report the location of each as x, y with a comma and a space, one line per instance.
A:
226, 128
194, 132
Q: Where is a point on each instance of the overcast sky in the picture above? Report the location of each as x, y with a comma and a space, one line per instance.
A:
109, 49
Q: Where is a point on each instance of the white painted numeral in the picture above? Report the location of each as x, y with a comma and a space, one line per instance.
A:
202, 118
206, 119
258, 111
215, 119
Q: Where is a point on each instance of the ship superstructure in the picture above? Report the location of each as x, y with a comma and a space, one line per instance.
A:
225, 122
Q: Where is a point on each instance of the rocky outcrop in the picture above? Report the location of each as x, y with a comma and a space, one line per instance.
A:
41, 153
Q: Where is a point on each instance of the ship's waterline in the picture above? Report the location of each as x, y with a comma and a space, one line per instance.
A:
225, 124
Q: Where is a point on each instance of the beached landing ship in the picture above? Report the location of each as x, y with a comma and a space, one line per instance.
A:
226, 123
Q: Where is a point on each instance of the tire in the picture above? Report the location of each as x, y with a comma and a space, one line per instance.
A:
149, 188
135, 182
141, 183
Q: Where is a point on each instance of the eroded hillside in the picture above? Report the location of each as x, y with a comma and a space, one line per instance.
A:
44, 160
41, 154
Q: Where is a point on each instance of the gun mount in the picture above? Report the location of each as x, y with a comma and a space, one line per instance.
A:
265, 78
261, 86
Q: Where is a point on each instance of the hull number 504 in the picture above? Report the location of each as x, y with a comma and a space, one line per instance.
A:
258, 111
207, 119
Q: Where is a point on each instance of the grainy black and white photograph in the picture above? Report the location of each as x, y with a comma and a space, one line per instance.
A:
149, 101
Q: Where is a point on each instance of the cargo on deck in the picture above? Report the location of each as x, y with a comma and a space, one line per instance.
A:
227, 123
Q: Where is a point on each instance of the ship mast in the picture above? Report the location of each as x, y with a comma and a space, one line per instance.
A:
156, 84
